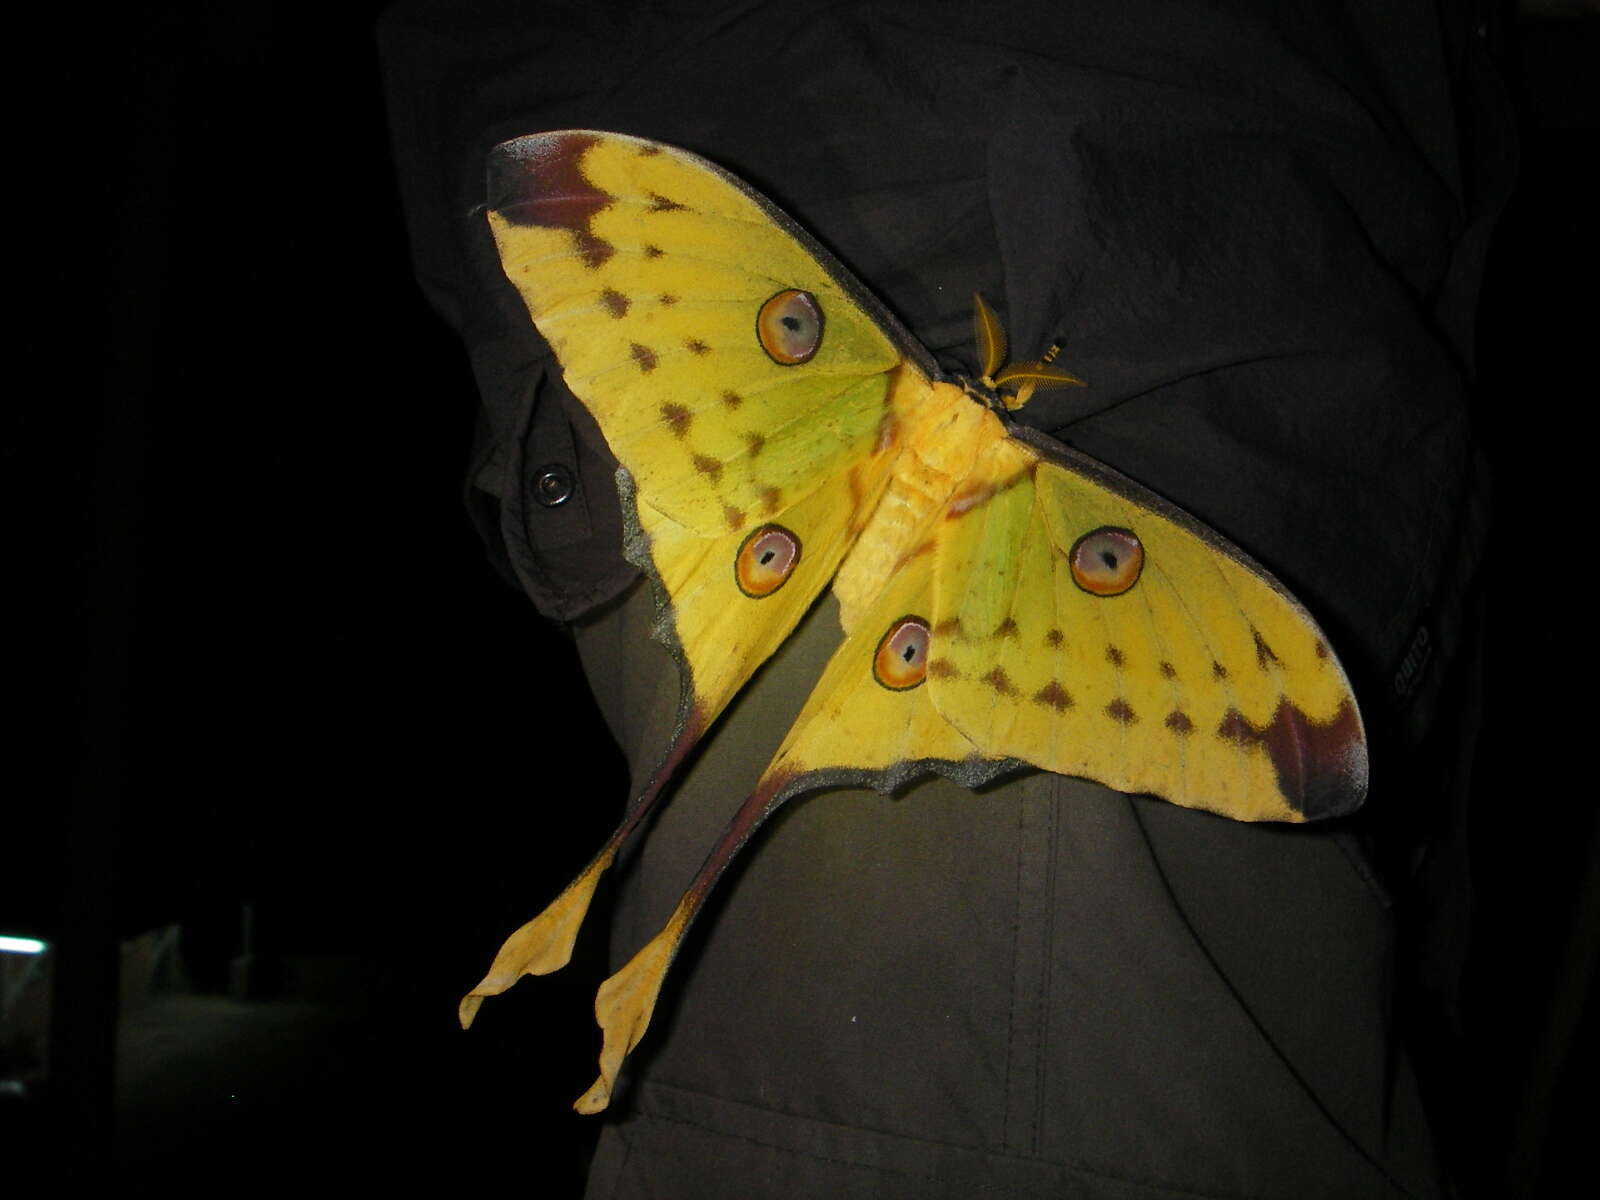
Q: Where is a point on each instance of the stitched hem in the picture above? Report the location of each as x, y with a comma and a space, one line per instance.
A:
900, 1158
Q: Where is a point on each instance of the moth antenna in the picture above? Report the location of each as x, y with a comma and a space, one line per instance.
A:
990, 336
1030, 377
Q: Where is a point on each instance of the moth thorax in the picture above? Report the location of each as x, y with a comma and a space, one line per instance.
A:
939, 449
980, 393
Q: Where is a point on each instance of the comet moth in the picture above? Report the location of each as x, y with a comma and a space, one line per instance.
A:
1006, 601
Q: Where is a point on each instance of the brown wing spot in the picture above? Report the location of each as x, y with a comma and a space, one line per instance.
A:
707, 465
649, 151
1321, 648
733, 516
942, 668
678, 417
1114, 656
950, 627
1264, 653
615, 302
732, 399
654, 252
667, 299
888, 426
593, 250
1121, 711
696, 346
971, 496
755, 441
549, 188
1053, 639
771, 500
859, 516
1321, 767
968, 498
1234, 727
1168, 671
659, 203
1006, 629
1000, 682
644, 356
1179, 723
1218, 671
915, 552
1053, 695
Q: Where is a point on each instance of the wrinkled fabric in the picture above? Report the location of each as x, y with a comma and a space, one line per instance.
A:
1043, 989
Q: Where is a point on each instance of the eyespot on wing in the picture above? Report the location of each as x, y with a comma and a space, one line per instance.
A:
1107, 561
901, 660
765, 561
789, 327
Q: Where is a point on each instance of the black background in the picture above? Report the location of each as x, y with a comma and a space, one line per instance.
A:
297, 684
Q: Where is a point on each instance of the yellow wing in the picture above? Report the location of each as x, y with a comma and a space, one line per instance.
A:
746, 386
1084, 625
739, 376
1063, 617
1007, 601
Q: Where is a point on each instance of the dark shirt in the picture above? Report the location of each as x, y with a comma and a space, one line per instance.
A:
1257, 231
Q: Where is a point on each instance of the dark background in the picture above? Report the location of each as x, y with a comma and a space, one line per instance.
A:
298, 685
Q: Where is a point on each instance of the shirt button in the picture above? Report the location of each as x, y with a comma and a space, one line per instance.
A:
552, 486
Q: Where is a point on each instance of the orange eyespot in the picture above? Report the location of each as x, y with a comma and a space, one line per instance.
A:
1107, 561
789, 327
901, 662
765, 561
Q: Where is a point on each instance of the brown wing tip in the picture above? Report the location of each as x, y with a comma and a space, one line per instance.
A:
534, 179
1321, 766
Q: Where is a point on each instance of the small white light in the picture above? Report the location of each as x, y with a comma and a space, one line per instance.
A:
21, 945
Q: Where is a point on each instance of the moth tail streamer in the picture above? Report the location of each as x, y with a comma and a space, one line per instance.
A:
545, 943
626, 1001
